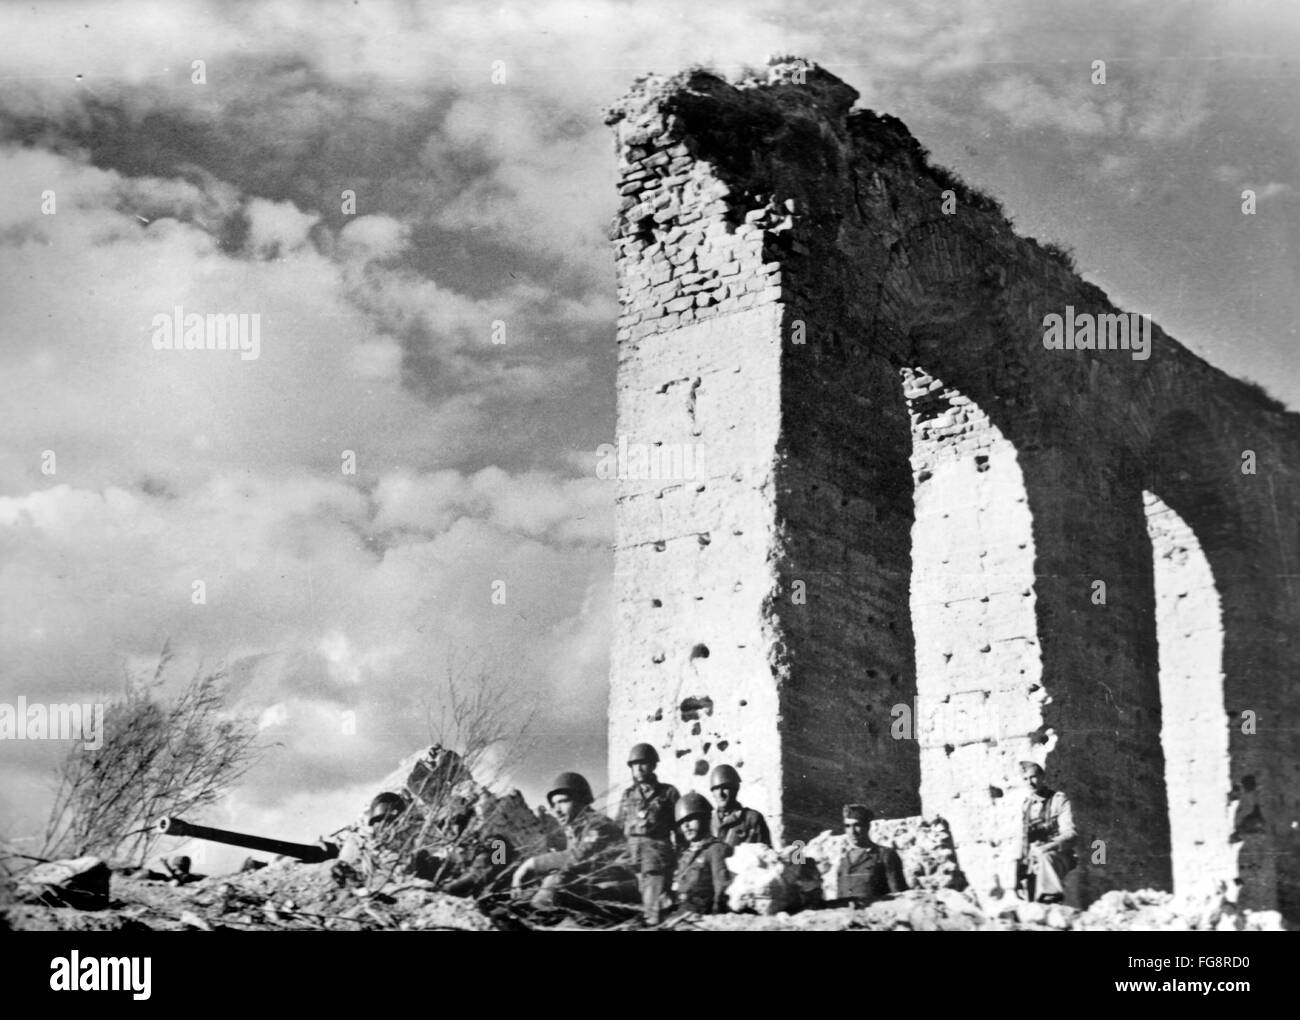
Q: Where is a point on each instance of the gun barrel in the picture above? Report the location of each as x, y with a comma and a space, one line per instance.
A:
303, 851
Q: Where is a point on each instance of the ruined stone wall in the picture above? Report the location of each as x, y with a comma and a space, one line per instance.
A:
699, 371
910, 501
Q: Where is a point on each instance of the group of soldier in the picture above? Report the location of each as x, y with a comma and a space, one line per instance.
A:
667, 852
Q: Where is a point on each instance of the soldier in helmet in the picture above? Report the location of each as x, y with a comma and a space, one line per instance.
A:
646, 815
732, 822
588, 867
701, 881
374, 848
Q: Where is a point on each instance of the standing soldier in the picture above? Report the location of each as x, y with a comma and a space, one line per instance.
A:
1047, 844
702, 878
588, 866
646, 814
867, 871
733, 823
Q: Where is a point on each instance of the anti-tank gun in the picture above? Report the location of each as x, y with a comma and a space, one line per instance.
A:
309, 853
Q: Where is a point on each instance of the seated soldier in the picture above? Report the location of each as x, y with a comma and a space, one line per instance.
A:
1047, 842
700, 883
474, 863
588, 869
867, 871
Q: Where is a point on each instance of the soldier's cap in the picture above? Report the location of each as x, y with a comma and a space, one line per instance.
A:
860, 812
1032, 768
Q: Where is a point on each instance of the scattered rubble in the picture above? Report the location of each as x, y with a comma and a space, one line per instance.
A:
80, 882
771, 890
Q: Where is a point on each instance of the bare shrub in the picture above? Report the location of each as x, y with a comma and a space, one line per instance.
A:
160, 756
480, 730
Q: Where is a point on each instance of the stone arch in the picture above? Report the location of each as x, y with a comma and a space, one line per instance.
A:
1194, 731
978, 661
1208, 546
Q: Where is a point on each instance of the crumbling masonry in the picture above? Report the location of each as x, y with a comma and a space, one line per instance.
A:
914, 546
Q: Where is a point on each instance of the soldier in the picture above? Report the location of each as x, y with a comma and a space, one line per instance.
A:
385, 809
475, 861
1047, 844
867, 871
588, 867
701, 880
733, 823
180, 866
373, 849
646, 814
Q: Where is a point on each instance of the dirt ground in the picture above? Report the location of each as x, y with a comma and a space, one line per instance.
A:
293, 896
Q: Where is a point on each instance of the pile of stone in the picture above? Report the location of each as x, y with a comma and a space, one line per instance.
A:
80, 882
765, 881
1152, 910
436, 780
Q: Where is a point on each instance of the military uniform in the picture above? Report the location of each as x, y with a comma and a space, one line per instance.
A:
472, 865
1047, 843
868, 873
702, 877
740, 825
589, 866
646, 814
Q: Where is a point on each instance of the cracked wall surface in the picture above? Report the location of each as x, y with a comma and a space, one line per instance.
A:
901, 498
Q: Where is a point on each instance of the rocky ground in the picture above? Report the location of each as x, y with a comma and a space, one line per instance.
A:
293, 896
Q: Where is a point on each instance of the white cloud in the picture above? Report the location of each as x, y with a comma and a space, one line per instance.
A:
276, 227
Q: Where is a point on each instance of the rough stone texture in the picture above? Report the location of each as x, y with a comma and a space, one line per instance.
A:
286, 895
765, 882
950, 910
436, 778
906, 500
81, 882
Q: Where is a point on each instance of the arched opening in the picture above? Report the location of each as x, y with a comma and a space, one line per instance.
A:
978, 660
1194, 731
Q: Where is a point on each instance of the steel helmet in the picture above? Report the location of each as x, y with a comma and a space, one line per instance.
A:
723, 775
574, 784
692, 805
643, 752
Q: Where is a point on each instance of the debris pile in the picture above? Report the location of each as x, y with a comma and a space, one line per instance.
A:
80, 882
767, 882
953, 910
437, 782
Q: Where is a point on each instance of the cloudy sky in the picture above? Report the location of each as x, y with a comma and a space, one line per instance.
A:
479, 202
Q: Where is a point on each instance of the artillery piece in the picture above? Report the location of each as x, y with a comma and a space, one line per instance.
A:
309, 853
